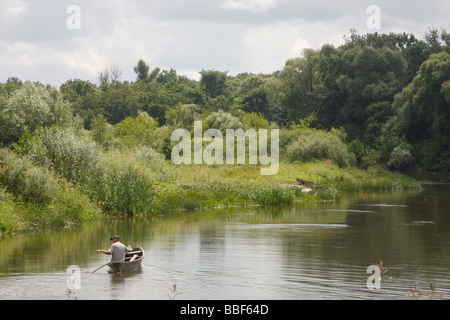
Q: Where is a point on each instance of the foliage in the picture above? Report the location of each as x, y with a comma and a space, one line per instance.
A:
62, 150
9, 218
255, 121
182, 116
421, 114
140, 130
26, 181
213, 83
101, 131
222, 121
401, 159
35, 197
311, 144
32, 106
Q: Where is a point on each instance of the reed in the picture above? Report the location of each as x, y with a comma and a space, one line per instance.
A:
9, 217
35, 198
139, 181
121, 188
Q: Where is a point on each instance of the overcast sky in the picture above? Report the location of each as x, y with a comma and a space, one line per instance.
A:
38, 41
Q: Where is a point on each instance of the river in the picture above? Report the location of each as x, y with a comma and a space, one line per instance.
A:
308, 251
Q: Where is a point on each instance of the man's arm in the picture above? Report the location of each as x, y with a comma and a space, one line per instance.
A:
104, 251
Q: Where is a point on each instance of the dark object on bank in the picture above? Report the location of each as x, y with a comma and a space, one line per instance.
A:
305, 183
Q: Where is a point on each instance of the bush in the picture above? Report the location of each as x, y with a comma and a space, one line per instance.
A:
118, 186
62, 150
9, 219
401, 159
312, 144
26, 181
273, 195
222, 121
30, 107
40, 199
122, 188
133, 132
365, 157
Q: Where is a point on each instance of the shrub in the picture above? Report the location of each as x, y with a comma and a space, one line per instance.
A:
312, 144
222, 121
26, 181
273, 195
134, 132
30, 107
9, 219
42, 199
62, 150
122, 188
401, 159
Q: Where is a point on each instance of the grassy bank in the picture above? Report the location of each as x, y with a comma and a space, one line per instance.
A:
56, 182
33, 197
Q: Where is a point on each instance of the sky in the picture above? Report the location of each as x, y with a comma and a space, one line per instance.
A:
52, 41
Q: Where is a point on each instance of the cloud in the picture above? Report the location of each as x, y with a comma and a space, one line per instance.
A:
266, 48
255, 6
229, 35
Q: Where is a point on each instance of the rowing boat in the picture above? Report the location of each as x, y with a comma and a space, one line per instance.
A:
132, 262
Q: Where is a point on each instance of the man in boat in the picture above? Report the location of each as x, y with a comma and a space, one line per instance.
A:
117, 250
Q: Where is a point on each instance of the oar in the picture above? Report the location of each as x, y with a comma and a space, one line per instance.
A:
101, 267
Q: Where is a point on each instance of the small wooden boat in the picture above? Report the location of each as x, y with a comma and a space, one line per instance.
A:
132, 262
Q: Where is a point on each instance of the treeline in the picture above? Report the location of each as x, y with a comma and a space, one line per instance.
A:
386, 96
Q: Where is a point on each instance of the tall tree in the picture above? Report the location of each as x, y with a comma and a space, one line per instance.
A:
141, 70
214, 83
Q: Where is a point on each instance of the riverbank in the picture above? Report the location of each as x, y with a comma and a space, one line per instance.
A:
37, 195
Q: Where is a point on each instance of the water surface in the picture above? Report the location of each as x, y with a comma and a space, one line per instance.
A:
308, 251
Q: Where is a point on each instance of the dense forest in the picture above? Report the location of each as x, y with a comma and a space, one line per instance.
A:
348, 116
388, 93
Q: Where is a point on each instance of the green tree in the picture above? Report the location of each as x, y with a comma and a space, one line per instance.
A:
299, 84
101, 131
422, 115
222, 121
257, 101
136, 131
30, 107
182, 116
141, 70
214, 83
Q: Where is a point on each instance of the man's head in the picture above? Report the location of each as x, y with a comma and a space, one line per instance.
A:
114, 239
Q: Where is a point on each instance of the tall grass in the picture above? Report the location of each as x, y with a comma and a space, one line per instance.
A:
141, 182
9, 218
34, 197
310, 144
119, 186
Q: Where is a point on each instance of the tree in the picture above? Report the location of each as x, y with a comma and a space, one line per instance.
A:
422, 115
213, 83
137, 131
74, 90
143, 73
101, 131
299, 82
141, 70
30, 107
222, 121
119, 101
182, 116
111, 75
257, 100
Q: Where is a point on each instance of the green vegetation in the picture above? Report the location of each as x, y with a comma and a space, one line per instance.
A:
347, 115
33, 197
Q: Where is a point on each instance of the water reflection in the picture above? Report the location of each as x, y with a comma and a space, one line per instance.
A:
313, 250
